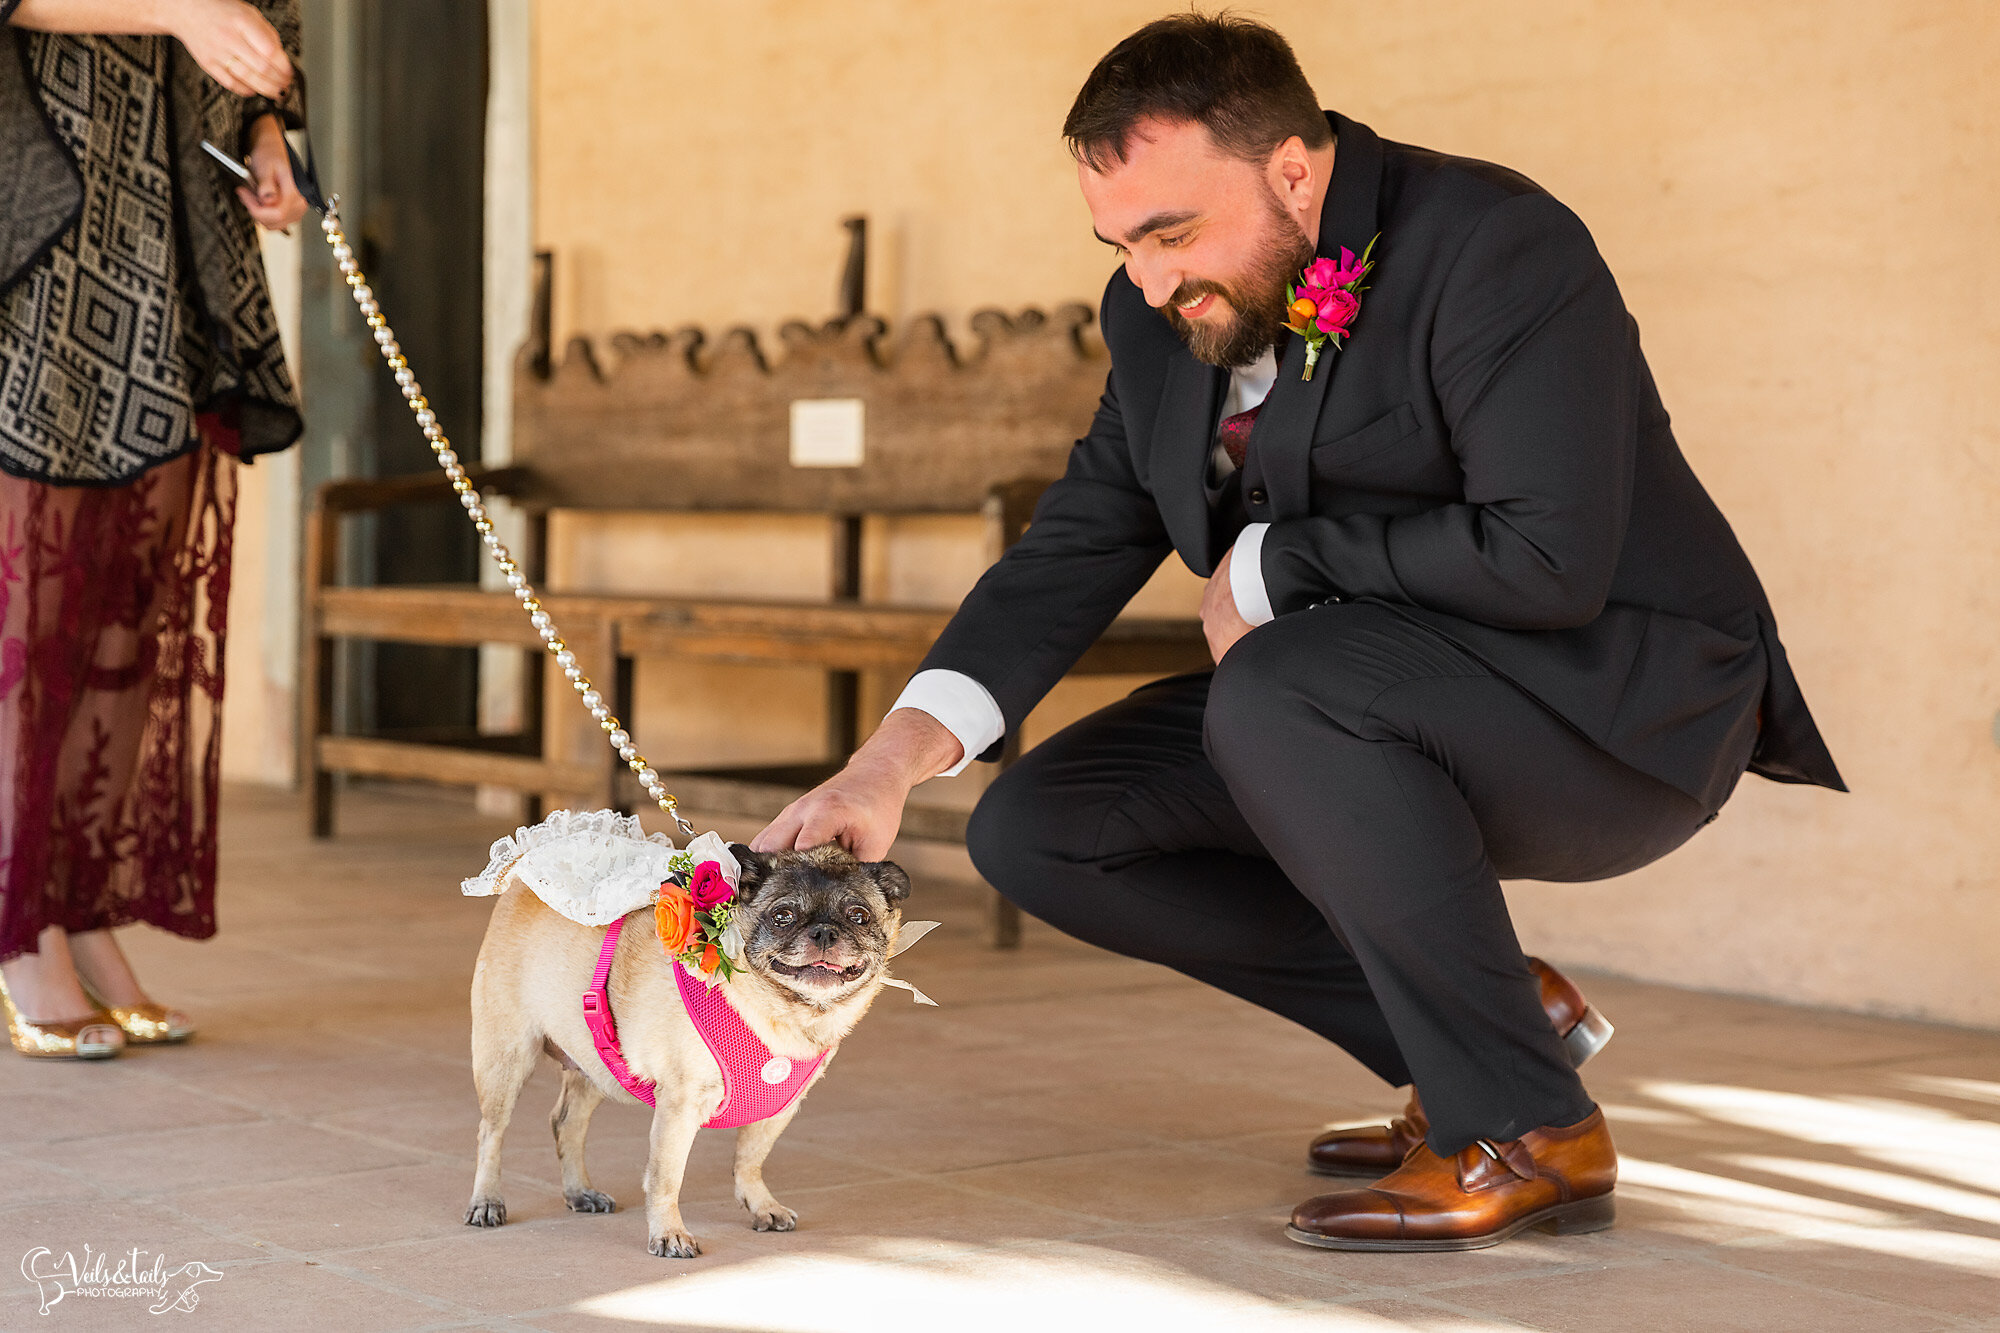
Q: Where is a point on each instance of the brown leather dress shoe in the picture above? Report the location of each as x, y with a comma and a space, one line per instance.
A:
1372, 1151
1557, 1179
1584, 1030
1369, 1151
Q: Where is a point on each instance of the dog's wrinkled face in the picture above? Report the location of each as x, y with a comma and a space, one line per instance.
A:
817, 923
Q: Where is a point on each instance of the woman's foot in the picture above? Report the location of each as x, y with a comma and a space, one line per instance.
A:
101, 965
104, 972
44, 985
48, 1013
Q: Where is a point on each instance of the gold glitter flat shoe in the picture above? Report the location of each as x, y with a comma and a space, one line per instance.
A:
145, 1024
98, 1037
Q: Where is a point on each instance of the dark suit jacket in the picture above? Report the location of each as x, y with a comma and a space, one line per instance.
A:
1486, 455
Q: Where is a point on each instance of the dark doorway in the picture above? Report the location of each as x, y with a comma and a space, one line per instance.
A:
398, 117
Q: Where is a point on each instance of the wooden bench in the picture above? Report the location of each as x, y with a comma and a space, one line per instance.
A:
669, 428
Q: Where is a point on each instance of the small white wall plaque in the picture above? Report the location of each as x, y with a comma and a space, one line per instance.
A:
826, 432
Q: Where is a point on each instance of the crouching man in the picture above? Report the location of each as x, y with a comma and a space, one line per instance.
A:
1472, 615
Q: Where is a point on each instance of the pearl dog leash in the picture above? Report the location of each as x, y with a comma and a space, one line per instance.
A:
475, 509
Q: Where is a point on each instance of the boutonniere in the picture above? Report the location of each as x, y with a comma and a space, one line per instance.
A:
693, 911
1321, 307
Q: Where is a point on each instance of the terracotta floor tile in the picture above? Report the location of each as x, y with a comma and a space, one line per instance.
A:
1236, 1252
1157, 1104
305, 1294
615, 1156
922, 1216
60, 1119
28, 1178
157, 1164
1693, 1295
1142, 1186
948, 1136
350, 1210
1931, 1269
1415, 1316
547, 1263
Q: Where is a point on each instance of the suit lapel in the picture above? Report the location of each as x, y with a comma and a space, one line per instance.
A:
1183, 438
1281, 443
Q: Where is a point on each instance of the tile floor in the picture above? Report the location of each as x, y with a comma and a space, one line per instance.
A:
1072, 1141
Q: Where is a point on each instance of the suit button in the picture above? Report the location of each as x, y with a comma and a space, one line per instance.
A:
1257, 497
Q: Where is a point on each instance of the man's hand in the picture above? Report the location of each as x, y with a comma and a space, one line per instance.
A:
1220, 620
861, 807
275, 204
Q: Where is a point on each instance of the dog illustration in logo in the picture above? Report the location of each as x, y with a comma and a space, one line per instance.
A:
196, 1273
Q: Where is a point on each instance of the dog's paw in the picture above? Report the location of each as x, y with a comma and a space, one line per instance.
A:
486, 1213
773, 1216
674, 1245
591, 1201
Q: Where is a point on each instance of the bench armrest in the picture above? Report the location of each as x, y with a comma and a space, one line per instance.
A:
361, 494
1009, 506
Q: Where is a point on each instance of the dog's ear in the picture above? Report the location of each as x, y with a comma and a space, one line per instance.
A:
751, 868
891, 879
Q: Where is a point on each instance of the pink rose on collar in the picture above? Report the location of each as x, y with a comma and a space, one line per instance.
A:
1336, 311
707, 887
1323, 273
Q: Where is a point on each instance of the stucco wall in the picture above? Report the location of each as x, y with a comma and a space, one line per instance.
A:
1798, 199
260, 668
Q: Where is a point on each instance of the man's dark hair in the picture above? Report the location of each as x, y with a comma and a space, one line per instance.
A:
1235, 76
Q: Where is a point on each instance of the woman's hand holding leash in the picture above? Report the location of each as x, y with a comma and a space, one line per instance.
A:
861, 807
275, 203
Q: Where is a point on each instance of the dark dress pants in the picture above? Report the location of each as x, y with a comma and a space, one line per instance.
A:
1320, 826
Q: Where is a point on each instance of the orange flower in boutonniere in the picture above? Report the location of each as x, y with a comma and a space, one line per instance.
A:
1321, 307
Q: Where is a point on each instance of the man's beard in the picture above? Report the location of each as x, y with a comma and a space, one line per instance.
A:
1257, 298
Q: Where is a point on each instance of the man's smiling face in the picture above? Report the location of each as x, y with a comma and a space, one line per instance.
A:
1204, 236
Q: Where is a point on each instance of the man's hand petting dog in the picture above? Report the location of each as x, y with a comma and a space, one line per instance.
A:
1221, 622
861, 806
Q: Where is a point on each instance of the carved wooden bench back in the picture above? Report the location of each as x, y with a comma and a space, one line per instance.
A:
672, 424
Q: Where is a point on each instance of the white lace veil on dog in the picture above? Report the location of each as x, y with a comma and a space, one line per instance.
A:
591, 866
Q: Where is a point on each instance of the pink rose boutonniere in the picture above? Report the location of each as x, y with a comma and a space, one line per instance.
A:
1322, 305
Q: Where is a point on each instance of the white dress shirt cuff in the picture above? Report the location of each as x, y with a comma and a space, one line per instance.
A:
962, 704
1246, 576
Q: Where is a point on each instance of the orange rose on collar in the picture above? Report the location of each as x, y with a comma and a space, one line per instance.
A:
673, 915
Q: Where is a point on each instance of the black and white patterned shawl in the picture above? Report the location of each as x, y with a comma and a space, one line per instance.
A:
132, 291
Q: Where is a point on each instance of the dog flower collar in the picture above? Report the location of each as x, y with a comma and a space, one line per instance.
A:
596, 867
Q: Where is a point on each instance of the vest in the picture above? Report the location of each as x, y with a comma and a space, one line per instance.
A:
756, 1084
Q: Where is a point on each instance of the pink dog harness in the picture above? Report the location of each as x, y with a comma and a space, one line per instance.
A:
756, 1084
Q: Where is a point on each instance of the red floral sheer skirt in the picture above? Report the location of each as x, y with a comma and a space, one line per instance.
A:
113, 604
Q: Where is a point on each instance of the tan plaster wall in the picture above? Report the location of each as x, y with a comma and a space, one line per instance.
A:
260, 701
1798, 199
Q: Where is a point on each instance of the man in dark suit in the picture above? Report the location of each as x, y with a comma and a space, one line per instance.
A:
1473, 618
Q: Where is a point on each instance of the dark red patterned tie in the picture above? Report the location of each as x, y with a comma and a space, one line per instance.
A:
1234, 433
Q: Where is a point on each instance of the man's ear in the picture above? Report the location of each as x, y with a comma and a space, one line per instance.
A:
751, 868
891, 879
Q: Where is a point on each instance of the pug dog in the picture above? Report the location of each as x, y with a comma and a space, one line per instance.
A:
818, 928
